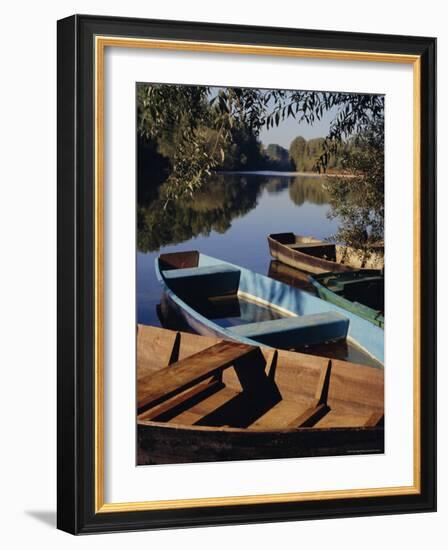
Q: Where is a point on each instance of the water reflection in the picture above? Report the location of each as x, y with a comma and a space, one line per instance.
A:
290, 276
224, 198
229, 219
303, 190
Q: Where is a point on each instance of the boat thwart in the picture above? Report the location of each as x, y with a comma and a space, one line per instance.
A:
205, 399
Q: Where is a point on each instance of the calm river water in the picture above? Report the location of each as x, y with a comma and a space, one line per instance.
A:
230, 219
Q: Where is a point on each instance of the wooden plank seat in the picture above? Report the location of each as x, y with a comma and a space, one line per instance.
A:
336, 419
319, 408
291, 332
292, 414
204, 281
200, 411
281, 415
178, 403
182, 375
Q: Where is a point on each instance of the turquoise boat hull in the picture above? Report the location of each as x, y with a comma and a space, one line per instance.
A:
290, 301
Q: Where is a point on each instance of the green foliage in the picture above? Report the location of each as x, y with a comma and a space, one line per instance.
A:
188, 132
196, 126
198, 130
358, 201
176, 118
243, 151
297, 153
278, 157
305, 154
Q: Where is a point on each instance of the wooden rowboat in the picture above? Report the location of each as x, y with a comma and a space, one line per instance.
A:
204, 399
361, 292
315, 256
205, 292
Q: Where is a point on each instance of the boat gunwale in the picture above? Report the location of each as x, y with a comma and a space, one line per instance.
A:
306, 259
196, 314
229, 429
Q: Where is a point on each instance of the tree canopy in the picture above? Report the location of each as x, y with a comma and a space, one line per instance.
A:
358, 202
196, 125
278, 156
188, 132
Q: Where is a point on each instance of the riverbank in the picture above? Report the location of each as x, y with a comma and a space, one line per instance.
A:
286, 174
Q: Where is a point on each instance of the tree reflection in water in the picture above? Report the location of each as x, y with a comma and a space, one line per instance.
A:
223, 198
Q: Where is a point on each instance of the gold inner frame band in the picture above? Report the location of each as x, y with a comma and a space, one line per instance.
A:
101, 42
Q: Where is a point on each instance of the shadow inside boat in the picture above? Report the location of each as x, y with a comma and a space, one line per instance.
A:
241, 411
238, 409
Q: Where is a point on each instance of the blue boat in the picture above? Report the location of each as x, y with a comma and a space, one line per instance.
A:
205, 292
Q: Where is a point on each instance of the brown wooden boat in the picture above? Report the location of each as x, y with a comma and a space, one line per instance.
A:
205, 399
315, 256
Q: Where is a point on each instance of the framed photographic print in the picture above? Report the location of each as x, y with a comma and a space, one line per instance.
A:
231, 345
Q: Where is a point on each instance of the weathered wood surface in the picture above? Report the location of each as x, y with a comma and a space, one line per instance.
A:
172, 407
155, 348
353, 388
180, 376
375, 419
339, 404
309, 417
308, 253
165, 443
302, 253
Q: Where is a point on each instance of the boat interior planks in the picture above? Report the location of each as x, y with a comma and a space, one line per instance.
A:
165, 383
233, 388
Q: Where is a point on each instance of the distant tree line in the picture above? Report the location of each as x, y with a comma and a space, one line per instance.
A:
244, 152
305, 155
199, 124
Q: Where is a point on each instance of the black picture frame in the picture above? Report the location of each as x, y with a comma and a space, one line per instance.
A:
76, 479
